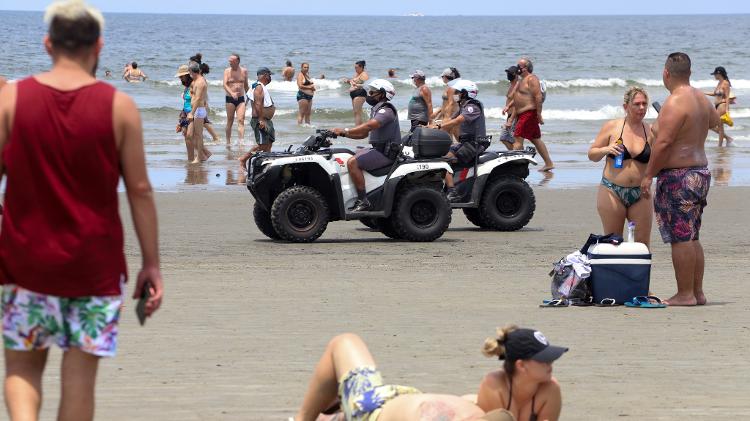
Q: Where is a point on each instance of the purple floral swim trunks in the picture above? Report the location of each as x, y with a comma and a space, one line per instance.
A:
679, 201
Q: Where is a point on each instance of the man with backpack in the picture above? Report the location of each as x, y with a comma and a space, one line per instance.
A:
527, 100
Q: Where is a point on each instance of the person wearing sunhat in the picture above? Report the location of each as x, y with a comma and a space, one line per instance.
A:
263, 109
722, 99
347, 386
524, 386
420, 103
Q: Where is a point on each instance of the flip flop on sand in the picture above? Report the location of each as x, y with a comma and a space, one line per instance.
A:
607, 302
554, 303
645, 301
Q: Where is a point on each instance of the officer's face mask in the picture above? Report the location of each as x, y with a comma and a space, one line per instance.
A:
372, 98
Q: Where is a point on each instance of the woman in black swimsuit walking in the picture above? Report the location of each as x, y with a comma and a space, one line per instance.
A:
356, 91
524, 386
722, 99
304, 94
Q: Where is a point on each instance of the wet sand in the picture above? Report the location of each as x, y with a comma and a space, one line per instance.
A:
245, 319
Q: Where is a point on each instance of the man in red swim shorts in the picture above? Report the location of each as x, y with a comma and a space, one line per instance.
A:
678, 160
527, 100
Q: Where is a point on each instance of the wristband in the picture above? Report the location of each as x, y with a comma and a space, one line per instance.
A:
346, 132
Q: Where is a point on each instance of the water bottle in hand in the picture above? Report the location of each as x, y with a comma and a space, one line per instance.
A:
619, 157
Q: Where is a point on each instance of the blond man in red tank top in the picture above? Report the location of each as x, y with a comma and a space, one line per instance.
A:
62, 263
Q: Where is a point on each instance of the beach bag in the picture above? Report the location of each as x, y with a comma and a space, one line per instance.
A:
567, 284
543, 87
726, 119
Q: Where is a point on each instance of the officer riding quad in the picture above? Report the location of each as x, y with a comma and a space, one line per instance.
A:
298, 193
492, 187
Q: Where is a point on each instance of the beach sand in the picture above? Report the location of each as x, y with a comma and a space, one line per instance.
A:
245, 319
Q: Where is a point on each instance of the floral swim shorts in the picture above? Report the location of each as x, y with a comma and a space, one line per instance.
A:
33, 321
363, 393
679, 201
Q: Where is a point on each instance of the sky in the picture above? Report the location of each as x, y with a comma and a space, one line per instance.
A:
402, 7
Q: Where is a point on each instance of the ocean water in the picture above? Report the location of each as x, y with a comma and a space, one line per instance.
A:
587, 63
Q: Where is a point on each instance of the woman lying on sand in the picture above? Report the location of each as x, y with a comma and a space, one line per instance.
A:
346, 374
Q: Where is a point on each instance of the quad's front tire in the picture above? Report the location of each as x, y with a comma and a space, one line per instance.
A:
299, 214
508, 203
263, 221
472, 214
421, 213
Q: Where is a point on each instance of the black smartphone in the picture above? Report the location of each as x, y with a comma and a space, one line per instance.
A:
656, 106
140, 308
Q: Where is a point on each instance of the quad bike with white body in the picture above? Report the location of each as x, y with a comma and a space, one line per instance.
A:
298, 193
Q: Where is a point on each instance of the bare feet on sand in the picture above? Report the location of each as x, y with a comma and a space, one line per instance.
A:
679, 300
700, 299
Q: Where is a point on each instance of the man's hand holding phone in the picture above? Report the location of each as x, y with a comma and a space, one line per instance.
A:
149, 289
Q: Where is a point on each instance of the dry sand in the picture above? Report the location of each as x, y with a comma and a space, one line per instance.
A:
245, 319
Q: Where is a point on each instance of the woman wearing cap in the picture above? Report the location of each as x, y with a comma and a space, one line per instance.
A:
346, 380
524, 386
449, 107
357, 91
722, 100
420, 103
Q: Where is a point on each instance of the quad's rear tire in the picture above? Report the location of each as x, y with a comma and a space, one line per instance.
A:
508, 203
385, 225
369, 222
421, 213
263, 221
299, 214
472, 214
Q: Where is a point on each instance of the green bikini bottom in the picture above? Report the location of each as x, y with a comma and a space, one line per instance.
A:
627, 195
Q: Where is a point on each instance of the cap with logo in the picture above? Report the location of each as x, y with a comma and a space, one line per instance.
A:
719, 71
182, 71
447, 73
529, 344
418, 74
263, 71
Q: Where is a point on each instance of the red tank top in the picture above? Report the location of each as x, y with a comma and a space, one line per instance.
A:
61, 231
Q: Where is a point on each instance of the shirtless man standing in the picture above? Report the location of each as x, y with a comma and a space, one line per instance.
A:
527, 100
199, 111
235, 86
263, 111
679, 163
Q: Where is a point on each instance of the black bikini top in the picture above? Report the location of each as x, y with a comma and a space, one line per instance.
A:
642, 157
307, 81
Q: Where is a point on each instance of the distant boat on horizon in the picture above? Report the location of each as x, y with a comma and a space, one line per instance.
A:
419, 14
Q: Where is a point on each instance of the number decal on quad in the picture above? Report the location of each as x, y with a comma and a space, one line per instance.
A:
304, 159
423, 166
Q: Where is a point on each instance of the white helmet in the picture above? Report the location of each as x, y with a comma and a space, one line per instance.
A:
465, 85
383, 86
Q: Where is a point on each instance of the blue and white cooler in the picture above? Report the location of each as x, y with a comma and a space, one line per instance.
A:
620, 272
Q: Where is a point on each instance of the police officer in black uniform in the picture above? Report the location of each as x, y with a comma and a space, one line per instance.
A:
385, 138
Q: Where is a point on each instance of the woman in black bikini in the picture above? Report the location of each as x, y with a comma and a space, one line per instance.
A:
722, 96
524, 386
619, 196
304, 94
356, 90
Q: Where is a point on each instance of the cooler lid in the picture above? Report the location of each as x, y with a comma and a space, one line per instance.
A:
620, 249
